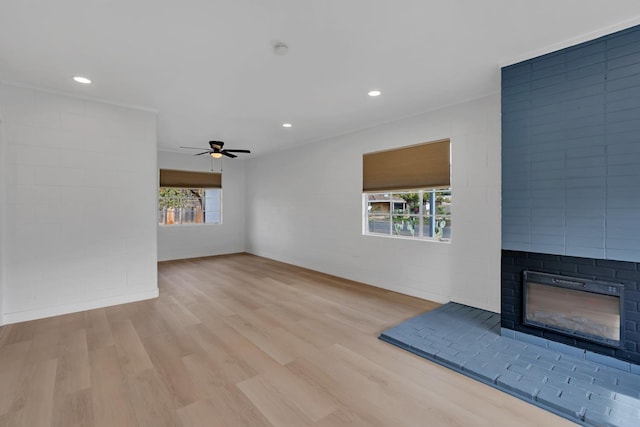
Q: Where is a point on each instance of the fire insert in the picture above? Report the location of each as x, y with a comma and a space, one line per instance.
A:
587, 309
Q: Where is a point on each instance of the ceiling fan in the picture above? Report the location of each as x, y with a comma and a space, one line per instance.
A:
217, 151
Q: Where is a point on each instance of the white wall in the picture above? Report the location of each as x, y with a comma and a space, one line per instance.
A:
305, 208
81, 204
3, 213
190, 241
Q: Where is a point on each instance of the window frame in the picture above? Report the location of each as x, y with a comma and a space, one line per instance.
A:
203, 223
422, 216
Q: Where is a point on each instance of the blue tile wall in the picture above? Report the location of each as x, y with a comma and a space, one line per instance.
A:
571, 150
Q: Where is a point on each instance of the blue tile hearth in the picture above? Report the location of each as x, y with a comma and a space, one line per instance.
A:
468, 340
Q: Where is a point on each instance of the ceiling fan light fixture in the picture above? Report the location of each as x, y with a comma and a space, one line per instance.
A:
216, 155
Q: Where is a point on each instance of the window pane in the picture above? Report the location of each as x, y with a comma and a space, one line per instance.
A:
405, 225
213, 205
443, 202
426, 227
378, 204
406, 203
440, 228
398, 203
379, 224
443, 227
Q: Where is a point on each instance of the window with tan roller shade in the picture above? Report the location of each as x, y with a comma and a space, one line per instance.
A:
189, 179
418, 166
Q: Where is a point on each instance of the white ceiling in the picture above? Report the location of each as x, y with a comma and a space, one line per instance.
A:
208, 69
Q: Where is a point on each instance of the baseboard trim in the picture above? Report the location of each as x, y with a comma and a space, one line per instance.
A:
412, 292
40, 313
437, 298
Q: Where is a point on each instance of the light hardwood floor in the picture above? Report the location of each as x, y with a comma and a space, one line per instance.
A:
240, 341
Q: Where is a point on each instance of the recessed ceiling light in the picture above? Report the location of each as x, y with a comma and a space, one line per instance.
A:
286, 125
280, 48
82, 80
374, 93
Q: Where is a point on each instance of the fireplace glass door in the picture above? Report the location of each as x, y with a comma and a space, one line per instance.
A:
574, 307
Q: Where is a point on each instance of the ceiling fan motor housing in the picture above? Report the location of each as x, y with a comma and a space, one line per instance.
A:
216, 145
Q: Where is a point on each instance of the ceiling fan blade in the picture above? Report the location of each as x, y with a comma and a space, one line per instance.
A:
238, 151
226, 153
204, 152
193, 148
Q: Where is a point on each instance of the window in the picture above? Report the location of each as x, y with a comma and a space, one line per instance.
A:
189, 205
187, 197
407, 191
419, 214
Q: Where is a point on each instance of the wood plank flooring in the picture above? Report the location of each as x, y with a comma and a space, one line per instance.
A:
238, 341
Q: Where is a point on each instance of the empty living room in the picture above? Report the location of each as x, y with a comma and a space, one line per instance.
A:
319, 213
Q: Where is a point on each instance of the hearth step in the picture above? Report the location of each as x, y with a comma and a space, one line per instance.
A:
467, 340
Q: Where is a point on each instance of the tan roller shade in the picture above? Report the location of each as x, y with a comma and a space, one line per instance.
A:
417, 166
189, 179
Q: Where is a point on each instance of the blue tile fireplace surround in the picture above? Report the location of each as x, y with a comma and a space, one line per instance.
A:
571, 187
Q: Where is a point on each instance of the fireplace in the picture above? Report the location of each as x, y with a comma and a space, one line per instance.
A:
588, 309
613, 286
